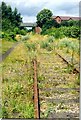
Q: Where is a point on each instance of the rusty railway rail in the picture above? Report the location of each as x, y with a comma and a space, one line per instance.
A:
76, 70
36, 92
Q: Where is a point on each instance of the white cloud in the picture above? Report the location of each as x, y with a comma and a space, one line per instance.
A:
30, 8
29, 18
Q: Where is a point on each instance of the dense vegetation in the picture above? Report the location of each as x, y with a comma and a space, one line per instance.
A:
51, 27
64, 31
11, 21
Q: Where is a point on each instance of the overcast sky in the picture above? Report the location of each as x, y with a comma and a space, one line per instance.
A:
30, 8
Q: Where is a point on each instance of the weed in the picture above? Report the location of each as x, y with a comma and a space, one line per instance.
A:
77, 81
44, 44
31, 46
51, 39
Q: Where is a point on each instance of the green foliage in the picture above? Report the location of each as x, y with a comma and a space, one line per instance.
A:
70, 23
70, 45
25, 37
12, 35
55, 32
61, 32
71, 31
4, 112
49, 24
16, 30
31, 46
44, 44
47, 44
64, 23
23, 32
9, 36
43, 16
11, 19
77, 80
51, 39
11, 22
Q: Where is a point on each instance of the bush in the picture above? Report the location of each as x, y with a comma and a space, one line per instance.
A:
23, 32
9, 36
31, 46
16, 30
61, 32
51, 39
26, 37
44, 44
12, 35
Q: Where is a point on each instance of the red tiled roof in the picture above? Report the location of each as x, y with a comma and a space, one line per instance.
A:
67, 17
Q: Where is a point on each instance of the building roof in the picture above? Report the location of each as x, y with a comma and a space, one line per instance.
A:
67, 17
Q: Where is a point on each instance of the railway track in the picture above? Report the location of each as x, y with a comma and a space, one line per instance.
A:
53, 99
50, 98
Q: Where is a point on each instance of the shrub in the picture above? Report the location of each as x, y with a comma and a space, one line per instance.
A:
50, 48
23, 32
31, 46
12, 35
61, 32
44, 44
26, 37
16, 30
50, 39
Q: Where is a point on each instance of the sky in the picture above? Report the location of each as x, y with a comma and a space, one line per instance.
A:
30, 8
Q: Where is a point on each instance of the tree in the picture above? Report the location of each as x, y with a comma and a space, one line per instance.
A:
11, 19
43, 16
17, 19
10, 22
64, 23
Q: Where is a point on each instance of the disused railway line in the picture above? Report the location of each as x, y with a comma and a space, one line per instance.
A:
35, 83
38, 97
36, 91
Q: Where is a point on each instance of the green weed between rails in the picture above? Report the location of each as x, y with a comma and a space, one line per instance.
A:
26, 37
77, 82
50, 39
31, 46
47, 45
44, 44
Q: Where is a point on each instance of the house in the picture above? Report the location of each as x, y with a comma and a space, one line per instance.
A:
59, 19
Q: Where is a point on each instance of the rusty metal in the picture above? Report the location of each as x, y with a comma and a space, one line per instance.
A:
75, 69
36, 92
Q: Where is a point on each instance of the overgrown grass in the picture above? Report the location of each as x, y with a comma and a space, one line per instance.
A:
17, 85
5, 45
17, 80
